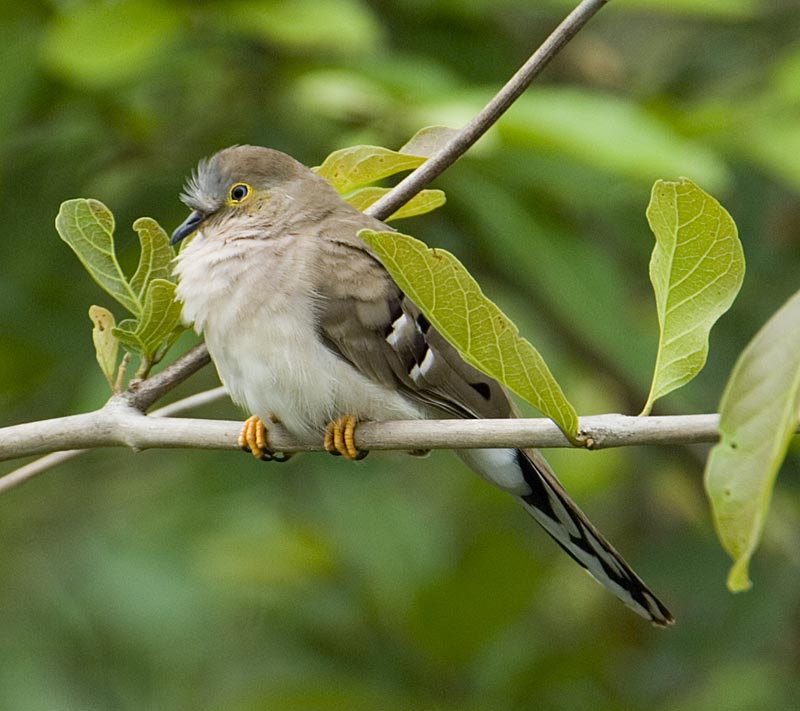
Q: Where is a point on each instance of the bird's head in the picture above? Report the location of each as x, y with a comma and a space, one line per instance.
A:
235, 183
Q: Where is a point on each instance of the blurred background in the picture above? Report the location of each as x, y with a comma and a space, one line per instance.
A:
201, 580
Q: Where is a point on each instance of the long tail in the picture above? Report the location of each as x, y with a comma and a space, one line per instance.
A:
526, 474
560, 516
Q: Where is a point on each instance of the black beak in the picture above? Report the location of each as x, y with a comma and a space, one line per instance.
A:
189, 225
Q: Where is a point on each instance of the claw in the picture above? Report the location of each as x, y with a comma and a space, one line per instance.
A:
253, 439
340, 438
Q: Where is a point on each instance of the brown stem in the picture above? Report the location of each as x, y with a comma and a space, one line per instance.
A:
141, 394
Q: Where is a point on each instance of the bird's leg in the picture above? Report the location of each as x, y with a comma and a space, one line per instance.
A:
339, 438
253, 438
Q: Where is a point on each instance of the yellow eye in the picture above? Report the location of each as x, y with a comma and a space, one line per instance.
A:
238, 193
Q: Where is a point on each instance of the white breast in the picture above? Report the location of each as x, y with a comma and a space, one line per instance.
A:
259, 324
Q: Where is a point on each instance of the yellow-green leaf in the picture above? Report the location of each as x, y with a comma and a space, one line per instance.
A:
87, 226
421, 203
758, 415
161, 315
696, 269
106, 346
159, 325
156, 257
454, 303
352, 168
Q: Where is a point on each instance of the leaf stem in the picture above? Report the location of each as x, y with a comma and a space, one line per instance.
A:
123, 366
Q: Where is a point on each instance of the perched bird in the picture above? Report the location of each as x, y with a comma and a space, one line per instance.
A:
306, 327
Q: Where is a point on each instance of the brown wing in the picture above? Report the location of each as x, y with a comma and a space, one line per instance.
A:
366, 319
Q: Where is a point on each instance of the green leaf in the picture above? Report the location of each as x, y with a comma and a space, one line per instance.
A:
87, 226
758, 416
454, 303
156, 257
421, 203
161, 315
352, 168
106, 345
696, 269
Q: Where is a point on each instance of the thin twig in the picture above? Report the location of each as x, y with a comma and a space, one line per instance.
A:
464, 139
142, 394
191, 402
39, 466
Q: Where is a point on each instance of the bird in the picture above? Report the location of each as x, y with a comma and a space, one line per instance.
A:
307, 328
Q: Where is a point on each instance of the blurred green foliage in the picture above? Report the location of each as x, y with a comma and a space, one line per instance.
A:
207, 580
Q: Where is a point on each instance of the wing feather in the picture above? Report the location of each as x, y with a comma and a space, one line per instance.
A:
366, 319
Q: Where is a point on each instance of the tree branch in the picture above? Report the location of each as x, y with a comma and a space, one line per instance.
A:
118, 424
464, 139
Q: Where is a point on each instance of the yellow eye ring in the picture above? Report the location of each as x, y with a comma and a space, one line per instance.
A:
238, 193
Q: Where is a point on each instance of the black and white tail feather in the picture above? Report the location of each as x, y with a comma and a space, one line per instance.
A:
525, 474
560, 516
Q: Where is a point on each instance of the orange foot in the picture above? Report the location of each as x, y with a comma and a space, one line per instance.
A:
339, 438
253, 439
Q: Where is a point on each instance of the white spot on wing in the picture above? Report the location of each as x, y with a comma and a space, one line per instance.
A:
398, 325
427, 362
